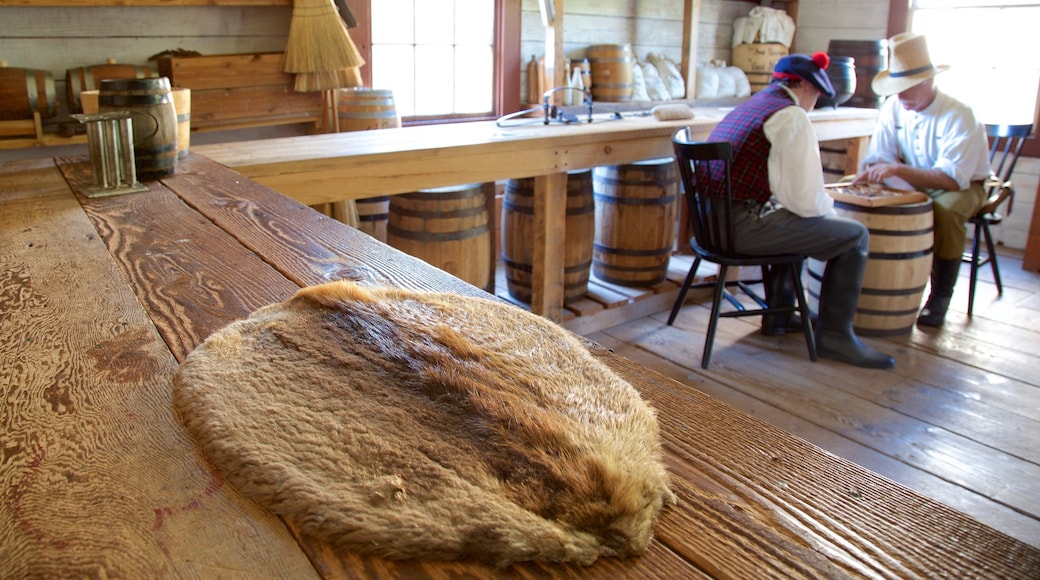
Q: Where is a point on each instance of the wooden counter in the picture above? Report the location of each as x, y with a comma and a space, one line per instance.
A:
101, 298
318, 169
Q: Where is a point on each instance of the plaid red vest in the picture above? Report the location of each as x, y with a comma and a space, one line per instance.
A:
749, 170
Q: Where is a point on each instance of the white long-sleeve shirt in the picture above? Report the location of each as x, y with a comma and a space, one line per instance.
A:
795, 169
944, 136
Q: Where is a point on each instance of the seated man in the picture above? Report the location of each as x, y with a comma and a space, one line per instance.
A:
928, 141
778, 177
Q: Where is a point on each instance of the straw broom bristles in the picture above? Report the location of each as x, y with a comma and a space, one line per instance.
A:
318, 40
323, 80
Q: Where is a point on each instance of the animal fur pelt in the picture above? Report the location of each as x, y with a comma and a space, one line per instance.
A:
423, 425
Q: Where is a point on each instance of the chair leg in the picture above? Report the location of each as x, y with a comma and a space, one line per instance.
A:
992, 249
803, 309
974, 274
713, 322
682, 291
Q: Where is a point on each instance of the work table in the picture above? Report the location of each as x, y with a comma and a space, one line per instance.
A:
318, 169
101, 299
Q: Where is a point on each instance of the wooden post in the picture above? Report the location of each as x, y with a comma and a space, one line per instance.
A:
691, 34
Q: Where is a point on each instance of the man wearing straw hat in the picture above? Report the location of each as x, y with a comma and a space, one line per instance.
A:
928, 141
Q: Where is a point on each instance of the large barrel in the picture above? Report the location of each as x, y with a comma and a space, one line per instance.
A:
154, 120
447, 227
373, 214
636, 214
24, 91
900, 262
518, 236
88, 78
870, 58
611, 71
364, 109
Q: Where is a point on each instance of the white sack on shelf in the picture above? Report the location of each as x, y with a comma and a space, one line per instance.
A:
655, 87
763, 25
639, 84
670, 75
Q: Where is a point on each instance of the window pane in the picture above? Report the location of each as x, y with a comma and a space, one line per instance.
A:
474, 21
397, 76
434, 70
434, 21
473, 94
392, 21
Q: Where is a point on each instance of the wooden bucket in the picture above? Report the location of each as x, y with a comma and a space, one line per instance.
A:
636, 214
898, 268
24, 91
447, 227
181, 106
154, 120
518, 236
869, 57
611, 71
87, 78
373, 214
364, 109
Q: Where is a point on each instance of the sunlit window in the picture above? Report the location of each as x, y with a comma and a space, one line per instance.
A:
437, 56
994, 52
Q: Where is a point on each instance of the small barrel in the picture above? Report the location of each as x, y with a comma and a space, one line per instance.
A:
611, 71
364, 109
373, 214
898, 268
448, 227
181, 105
871, 57
636, 214
154, 120
518, 236
88, 78
24, 91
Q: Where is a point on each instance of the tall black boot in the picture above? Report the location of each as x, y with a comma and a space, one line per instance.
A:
779, 291
835, 338
944, 277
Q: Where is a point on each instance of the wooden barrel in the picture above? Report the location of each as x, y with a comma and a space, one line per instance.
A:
898, 269
611, 71
364, 109
757, 61
518, 236
869, 57
87, 78
448, 227
373, 214
24, 91
154, 120
181, 106
636, 214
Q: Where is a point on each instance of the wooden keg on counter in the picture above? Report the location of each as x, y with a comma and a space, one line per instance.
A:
636, 215
88, 78
898, 267
448, 227
611, 71
25, 91
181, 106
518, 236
363, 109
154, 120
870, 57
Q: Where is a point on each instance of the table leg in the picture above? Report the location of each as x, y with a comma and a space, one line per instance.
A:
550, 223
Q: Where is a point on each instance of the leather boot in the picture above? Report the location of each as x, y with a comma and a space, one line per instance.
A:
944, 277
835, 338
779, 291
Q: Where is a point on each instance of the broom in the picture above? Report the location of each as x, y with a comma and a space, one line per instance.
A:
318, 40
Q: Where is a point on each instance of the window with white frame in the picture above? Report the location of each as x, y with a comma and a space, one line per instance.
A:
993, 51
437, 56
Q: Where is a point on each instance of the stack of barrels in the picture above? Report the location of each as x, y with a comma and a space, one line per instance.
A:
26, 92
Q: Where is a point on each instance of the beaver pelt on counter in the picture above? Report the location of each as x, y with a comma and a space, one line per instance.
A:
425, 425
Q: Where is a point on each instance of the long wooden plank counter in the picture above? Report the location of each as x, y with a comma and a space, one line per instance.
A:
101, 298
318, 169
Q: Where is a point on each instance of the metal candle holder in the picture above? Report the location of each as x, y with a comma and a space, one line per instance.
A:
110, 139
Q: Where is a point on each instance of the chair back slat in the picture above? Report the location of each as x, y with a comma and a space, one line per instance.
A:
705, 172
1003, 156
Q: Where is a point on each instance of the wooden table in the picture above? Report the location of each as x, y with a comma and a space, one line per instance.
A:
101, 298
319, 169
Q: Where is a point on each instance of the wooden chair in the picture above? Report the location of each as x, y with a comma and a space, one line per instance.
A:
710, 205
1003, 155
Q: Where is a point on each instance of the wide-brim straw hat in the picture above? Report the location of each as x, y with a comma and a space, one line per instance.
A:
908, 65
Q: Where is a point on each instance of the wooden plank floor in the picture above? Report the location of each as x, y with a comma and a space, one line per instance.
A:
958, 419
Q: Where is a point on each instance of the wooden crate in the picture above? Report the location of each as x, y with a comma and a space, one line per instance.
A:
240, 90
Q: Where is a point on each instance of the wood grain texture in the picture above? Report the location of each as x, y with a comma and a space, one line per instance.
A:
99, 477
